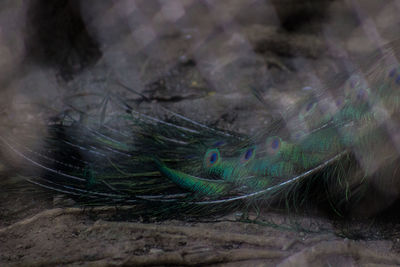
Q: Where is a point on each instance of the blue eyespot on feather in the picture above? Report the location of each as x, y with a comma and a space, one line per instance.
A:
273, 145
362, 95
247, 155
211, 158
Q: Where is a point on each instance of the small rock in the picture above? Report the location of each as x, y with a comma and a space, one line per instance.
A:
155, 251
61, 200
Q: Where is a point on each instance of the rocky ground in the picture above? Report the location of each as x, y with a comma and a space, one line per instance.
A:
200, 59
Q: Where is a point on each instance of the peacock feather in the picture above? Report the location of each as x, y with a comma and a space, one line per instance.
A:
331, 146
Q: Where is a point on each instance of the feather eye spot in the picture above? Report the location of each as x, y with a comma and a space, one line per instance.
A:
273, 145
248, 154
211, 158
362, 95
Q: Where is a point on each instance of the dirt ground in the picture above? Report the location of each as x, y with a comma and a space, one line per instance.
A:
200, 59
34, 232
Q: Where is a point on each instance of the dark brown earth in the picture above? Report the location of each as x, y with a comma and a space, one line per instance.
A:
200, 59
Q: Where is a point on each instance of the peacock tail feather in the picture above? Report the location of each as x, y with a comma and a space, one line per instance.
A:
331, 146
